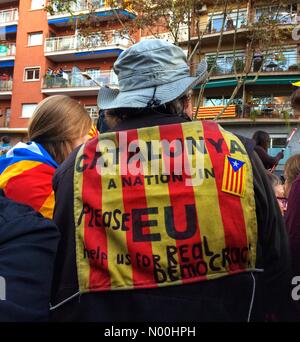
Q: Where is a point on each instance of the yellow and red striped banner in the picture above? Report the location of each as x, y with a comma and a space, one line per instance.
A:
145, 230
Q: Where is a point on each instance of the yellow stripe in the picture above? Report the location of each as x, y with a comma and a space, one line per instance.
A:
121, 275
157, 195
16, 169
83, 266
48, 207
247, 199
206, 194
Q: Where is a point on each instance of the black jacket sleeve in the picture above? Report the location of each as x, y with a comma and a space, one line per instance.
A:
272, 247
28, 244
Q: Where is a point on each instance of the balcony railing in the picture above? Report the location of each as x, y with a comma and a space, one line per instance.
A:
69, 43
6, 85
226, 65
249, 111
78, 80
85, 5
7, 50
8, 16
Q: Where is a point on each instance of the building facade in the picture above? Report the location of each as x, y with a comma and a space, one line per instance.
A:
269, 69
43, 54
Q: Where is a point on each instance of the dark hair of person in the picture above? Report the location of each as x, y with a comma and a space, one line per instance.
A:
295, 99
175, 107
5, 140
261, 138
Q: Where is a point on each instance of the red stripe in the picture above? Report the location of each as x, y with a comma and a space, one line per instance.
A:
94, 237
228, 173
181, 195
241, 180
31, 187
230, 205
237, 176
134, 197
232, 178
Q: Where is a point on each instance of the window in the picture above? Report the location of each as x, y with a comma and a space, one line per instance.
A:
28, 109
220, 101
7, 117
37, 4
35, 39
284, 60
233, 19
93, 111
32, 74
226, 63
283, 14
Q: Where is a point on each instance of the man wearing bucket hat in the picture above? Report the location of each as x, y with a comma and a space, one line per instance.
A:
163, 218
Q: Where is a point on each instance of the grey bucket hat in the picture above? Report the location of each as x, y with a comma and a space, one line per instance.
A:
150, 73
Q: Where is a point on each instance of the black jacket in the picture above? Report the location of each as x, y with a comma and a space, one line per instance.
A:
225, 299
28, 244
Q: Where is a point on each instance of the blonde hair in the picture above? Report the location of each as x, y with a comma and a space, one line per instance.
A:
57, 123
291, 171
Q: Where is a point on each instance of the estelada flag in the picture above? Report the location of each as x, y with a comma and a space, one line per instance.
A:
234, 176
26, 173
93, 132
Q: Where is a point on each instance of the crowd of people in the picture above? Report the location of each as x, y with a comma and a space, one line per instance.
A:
97, 245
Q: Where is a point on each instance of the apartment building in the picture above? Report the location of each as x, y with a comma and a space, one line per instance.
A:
34, 43
263, 104
43, 54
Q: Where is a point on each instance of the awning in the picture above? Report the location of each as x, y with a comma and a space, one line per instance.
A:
6, 64
108, 13
262, 80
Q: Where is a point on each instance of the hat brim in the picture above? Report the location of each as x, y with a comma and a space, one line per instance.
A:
112, 98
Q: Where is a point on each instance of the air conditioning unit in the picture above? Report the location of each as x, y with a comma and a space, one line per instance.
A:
202, 9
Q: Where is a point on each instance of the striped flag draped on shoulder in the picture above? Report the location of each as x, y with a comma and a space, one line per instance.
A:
26, 173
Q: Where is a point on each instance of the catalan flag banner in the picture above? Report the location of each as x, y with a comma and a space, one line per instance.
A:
26, 173
151, 210
234, 176
93, 132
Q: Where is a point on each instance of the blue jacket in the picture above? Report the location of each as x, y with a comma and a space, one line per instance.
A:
28, 244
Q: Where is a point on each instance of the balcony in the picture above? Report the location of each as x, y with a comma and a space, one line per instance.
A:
283, 63
282, 15
70, 48
9, 17
7, 51
5, 89
258, 113
76, 84
100, 8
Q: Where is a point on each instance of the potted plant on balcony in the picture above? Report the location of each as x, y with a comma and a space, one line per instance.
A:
211, 64
238, 65
294, 67
254, 113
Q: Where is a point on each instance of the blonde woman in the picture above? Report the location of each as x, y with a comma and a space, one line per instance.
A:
58, 125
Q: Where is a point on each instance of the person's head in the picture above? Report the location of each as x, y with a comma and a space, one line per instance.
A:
295, 100
279, 190
291, 171
152, 74
5, 140
262, 139
59, 124
181, 106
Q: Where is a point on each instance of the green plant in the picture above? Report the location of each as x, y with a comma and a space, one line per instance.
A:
239, 65
254, 114
211, 64
294, 67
